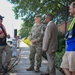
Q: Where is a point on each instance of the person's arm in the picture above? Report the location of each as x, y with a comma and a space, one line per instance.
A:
40, 35
47, 37
8, 36
2, 35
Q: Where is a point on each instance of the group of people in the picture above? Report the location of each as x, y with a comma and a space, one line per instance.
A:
47, 41
43, 40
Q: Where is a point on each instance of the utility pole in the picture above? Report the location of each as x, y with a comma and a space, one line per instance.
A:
15, 33
67, 14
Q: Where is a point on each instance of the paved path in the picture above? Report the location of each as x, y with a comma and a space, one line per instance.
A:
20, 69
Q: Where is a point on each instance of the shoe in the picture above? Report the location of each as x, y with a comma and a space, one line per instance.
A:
2, 71
45, 74
5, 69
30, 69
37, 70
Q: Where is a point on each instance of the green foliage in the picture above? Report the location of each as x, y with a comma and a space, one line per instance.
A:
61, 41
25, 28
26, 9
58, 58
24, 31
61, 49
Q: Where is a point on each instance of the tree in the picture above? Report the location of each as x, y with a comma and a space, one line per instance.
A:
26, 9
25, 29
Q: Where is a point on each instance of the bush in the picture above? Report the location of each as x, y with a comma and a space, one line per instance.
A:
61, 50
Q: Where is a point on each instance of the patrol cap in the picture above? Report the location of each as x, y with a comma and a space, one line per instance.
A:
38, 15
1, 17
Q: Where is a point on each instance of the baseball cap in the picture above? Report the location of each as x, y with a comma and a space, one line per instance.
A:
38, 15
1, 17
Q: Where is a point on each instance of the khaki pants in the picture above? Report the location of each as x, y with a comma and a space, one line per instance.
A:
68, 61
7, 57
51, 64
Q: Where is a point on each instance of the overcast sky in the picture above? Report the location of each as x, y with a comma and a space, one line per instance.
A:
9, 21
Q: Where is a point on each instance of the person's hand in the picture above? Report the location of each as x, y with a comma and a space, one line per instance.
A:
8, 36
33, 41
44, 50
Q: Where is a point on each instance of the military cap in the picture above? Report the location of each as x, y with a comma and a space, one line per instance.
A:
1, 17
38, 15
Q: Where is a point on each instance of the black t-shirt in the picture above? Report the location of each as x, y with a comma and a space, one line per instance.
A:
2, 40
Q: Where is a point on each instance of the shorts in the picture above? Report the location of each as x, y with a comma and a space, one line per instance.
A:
68, 61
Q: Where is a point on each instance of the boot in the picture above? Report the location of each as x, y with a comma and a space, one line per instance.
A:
45, 74
37, 70
30, 69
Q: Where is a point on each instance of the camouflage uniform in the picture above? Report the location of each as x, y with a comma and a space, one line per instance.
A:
37, 34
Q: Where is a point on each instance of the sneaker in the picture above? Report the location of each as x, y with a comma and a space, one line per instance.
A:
37, 70
30, 69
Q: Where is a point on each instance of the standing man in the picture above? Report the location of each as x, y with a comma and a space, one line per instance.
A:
50, 44
68, 62
36, 37
3, 45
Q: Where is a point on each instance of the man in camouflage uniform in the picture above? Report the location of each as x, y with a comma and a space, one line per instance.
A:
36, 37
